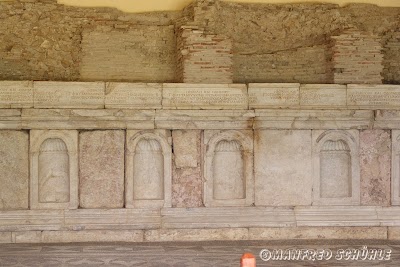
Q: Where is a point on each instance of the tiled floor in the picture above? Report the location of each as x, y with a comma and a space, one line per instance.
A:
205, 254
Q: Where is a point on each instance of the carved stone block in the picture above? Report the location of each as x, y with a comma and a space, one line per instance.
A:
148, 169
54, 169
336, 168
101, 169
14, 170
228, 168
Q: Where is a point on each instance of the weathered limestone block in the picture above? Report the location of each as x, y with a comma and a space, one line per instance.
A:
101, 169
282, 163
187, 180
161, 235
92, 236
27, 237
14, 170
5, 237
393, 233
375, 167
317, 233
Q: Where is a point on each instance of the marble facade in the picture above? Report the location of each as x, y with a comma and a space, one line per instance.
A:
92, 163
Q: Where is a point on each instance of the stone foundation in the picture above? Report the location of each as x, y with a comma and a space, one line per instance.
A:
84, 162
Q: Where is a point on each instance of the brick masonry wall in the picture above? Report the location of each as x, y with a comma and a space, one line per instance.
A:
305, 65
357, 58
138, 53
42, 40
203, 58
391, 61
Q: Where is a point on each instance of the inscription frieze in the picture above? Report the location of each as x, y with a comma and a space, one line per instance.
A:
15, 94
273, 95
384, 96
133, 95
68, 95
201, 96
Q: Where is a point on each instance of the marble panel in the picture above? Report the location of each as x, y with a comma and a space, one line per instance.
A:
282, 166
14, 170
101, 169
375, 167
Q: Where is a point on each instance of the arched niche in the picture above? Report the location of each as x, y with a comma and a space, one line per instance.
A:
148, 169
228, 169
336, 169
54, 169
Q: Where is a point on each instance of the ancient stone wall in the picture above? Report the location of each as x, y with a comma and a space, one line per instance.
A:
42, 40
133, 162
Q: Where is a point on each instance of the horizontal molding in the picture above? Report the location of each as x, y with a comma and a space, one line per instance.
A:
198, 218
228, 217
76, 119
81, 219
